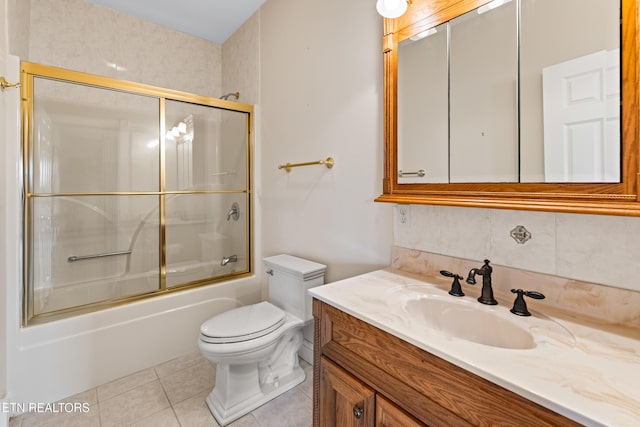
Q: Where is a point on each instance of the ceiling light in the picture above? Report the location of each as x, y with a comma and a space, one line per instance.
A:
492, 5
391, 8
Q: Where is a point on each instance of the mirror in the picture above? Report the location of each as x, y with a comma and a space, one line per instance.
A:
495, 139
511, 121
483, 77
570, 90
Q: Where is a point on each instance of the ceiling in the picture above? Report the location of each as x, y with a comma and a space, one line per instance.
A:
213, 20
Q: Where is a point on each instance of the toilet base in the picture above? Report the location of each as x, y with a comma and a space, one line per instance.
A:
259, 397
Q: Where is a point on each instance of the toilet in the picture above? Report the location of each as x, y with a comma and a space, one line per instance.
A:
255, 347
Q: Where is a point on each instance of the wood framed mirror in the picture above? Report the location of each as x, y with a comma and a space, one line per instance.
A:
619, 196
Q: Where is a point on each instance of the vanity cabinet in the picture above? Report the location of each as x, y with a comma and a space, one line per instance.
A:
360, 367
348, 402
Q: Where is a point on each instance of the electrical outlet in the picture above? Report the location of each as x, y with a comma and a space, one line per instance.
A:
403, 215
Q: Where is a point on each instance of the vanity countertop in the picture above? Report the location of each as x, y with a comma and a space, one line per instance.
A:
589, 373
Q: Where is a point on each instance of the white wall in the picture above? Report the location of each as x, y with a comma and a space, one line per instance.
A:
58, 359
320, 96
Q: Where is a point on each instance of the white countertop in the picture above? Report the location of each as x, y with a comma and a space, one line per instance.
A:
585, 371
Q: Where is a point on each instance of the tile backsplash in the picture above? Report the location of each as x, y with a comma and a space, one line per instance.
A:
592, 248
603, 304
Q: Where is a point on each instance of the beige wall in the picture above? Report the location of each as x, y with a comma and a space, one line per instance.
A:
85, 37
240, 61
18, 12
320, 96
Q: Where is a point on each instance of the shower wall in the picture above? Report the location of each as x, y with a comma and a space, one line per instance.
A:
47, 362
85, 37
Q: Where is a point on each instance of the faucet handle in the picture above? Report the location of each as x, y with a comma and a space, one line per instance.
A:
519, 305
456, 289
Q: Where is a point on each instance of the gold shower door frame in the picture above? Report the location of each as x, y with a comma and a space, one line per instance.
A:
30, 71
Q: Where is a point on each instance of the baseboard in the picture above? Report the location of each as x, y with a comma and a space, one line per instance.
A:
305, 352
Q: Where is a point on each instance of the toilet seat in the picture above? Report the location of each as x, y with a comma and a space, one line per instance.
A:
242, 324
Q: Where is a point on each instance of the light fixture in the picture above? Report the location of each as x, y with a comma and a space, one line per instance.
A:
424, 34
391, 8
492, 5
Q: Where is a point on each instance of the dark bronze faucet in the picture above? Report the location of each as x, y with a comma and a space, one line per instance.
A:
487, 291
519, 305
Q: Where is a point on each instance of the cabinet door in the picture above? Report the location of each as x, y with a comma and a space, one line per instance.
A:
389, 415
344, 400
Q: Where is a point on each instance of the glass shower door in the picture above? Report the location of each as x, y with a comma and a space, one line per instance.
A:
130, 191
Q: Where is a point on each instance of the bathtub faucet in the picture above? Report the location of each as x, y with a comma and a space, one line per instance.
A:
227, 260
487, 291
234, 212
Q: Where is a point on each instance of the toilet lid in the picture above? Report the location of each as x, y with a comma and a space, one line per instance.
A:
242, 323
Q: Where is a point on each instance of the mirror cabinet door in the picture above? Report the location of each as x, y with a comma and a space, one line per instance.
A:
570, 91
483, 89
423, 107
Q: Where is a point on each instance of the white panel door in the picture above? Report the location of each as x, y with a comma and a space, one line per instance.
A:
581, 101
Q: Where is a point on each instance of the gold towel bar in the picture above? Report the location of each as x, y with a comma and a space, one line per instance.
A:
5, 84
328, 163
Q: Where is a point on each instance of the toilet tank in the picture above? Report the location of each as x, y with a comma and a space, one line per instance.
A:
289, 279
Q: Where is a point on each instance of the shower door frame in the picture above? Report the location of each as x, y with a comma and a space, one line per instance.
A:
30, 71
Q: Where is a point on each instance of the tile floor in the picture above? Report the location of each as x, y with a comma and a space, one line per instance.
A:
172, 394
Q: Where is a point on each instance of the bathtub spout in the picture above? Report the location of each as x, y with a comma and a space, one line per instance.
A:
227, 260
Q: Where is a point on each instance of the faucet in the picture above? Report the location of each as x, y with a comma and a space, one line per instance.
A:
487, 291
519, 305
234, 212
226, 260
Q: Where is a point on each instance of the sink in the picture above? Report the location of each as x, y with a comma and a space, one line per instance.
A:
469, 321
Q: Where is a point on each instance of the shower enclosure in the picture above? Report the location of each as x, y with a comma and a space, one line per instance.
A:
130, 191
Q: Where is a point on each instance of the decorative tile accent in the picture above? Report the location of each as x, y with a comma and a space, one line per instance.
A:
538, 254
520, 234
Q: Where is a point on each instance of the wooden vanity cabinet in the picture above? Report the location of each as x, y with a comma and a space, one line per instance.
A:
347, 402
360, 367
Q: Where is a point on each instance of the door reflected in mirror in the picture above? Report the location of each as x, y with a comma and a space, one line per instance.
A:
570, 91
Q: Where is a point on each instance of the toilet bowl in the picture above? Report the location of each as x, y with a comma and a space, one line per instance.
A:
255, 347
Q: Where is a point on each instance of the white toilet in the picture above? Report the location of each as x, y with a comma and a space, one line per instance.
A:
255, 347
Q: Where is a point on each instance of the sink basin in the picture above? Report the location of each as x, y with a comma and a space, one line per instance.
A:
469, 321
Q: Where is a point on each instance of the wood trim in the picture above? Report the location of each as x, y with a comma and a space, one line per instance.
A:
388, 414
609, 199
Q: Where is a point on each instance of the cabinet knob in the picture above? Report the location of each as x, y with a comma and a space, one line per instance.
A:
358, 411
